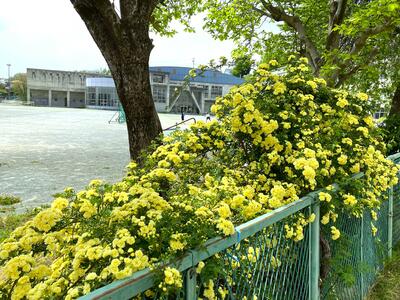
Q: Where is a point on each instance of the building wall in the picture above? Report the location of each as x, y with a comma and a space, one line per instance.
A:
70, 89
57, 88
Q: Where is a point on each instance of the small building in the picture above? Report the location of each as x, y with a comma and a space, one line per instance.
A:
57, 88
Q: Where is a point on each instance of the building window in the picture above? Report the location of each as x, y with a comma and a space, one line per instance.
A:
158, 78
379, 114
216, 91
159, 94
205, 91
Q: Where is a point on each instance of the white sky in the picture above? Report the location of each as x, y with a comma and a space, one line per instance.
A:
49, 34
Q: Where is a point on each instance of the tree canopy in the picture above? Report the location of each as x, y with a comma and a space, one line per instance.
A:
121, 31
343, 40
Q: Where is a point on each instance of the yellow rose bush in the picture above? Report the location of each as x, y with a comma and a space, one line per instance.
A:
278, 138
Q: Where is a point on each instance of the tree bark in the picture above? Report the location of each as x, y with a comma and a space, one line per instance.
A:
395, 107
126, 46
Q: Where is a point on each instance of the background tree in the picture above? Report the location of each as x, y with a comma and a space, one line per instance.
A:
3, 90
344, 40
121, 31
242, 64
19, 86
347, 42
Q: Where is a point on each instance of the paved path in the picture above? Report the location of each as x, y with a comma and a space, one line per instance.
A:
43, 150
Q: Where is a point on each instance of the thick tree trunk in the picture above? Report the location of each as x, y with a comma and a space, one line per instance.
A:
395, 107
141, 117
125, 44
132, 80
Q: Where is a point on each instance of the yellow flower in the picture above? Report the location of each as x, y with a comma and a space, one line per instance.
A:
59, 203
342, 102
177, 242
309, 173
200, 267
335, 233
224, 211
355, 168
172, 277
374, 230
252, 209
312, 84
325, 219
349, 200
279, 88
325, 197
209, 291
362, 96
342, 160
226, 227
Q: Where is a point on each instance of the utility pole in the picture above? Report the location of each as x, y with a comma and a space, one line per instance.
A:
9, 82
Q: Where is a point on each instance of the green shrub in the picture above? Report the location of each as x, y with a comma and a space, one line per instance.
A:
277, 139
9, 200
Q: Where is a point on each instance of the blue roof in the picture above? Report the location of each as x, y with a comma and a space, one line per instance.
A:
209, 76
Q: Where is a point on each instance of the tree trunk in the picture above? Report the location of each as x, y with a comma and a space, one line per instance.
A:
133, 87
395, 107
125, 44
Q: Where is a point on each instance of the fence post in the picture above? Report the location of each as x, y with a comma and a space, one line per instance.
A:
390, 222
314, 251
362, 256
190, 284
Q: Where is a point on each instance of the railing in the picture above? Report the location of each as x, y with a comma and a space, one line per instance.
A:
180, 123
258, 260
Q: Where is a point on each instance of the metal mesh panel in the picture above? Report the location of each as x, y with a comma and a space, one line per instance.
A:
396, 214
357, 256
343, 279
265, 266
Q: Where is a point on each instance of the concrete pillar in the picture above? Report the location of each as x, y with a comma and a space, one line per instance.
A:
167, 103
28, 96
68, 99
202, 103
50, 97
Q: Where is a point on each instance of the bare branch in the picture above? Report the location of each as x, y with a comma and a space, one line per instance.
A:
336, 16
279, 15
103, 23
130, 9
362, 39
344, 76
261, 12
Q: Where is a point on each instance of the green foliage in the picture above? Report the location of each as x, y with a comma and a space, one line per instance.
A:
354, 47
9, 199
11, 221
391, 135
387, 286
242, 66
19, 86
168, 11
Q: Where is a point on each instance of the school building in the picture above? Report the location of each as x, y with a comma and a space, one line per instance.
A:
172, 91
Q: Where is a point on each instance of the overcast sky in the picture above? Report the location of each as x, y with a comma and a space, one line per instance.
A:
49, 34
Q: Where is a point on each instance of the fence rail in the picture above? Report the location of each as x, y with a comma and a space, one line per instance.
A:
259, 261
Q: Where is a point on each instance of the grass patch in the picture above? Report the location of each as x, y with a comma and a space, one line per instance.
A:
9, 200
387, 286
9, 222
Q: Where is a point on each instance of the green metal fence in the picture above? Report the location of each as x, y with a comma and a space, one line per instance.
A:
258, 262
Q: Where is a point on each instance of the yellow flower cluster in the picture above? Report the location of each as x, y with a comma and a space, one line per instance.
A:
277, 138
